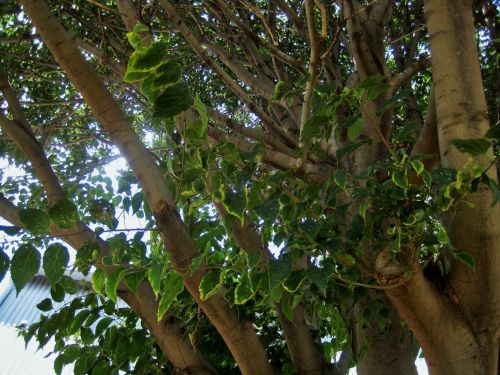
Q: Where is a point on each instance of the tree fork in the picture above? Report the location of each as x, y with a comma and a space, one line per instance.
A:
240, 338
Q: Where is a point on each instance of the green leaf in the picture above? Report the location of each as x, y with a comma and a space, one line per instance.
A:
235, 202
112, 283
244, 290
373, 86
340, 178
135, 38
10, 229
154, 276
210, 284
102, 325
135, 76
348, 150
279, 270
97, 280
294, 281
45, 305
493, 132
399, 179
86, 335
136, 202
318, 276
133, 280
253, 258
174, 100
202, 125
55, 261
24, 265
355, 128
173, 286
442, 236
474, 147
167, 73
57, 292
35, 221
465, 258
363, 207
495, 190
68, 284
64, 214
147, 59
406, 133
280, 90
394, 101
417, 165
427, 177
4, 265
196, 262
313, 128
286, 305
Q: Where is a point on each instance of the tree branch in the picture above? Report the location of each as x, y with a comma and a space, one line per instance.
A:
240, 93
315, 172
313, 64
240, 338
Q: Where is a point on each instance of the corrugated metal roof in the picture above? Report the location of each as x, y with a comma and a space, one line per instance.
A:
16, 359
15, 310
22, 309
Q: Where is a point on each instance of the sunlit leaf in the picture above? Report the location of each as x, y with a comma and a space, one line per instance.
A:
112, 282
173, 285
244, 290
210, 284
148, 58
98, 280
154, 276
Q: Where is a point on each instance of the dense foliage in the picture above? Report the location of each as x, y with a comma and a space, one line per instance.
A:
299, 174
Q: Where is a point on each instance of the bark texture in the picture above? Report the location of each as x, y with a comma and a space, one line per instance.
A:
459, 330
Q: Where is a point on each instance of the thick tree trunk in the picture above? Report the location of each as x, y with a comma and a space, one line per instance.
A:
459, 332
462, 113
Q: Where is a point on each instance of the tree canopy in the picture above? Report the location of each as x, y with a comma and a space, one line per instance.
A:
309, 185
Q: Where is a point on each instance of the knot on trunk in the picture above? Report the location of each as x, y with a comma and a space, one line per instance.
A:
395, 268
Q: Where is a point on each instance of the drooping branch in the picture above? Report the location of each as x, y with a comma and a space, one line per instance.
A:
235, 87
240, 337
167, 331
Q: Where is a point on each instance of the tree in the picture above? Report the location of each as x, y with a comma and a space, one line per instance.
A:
310, 174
